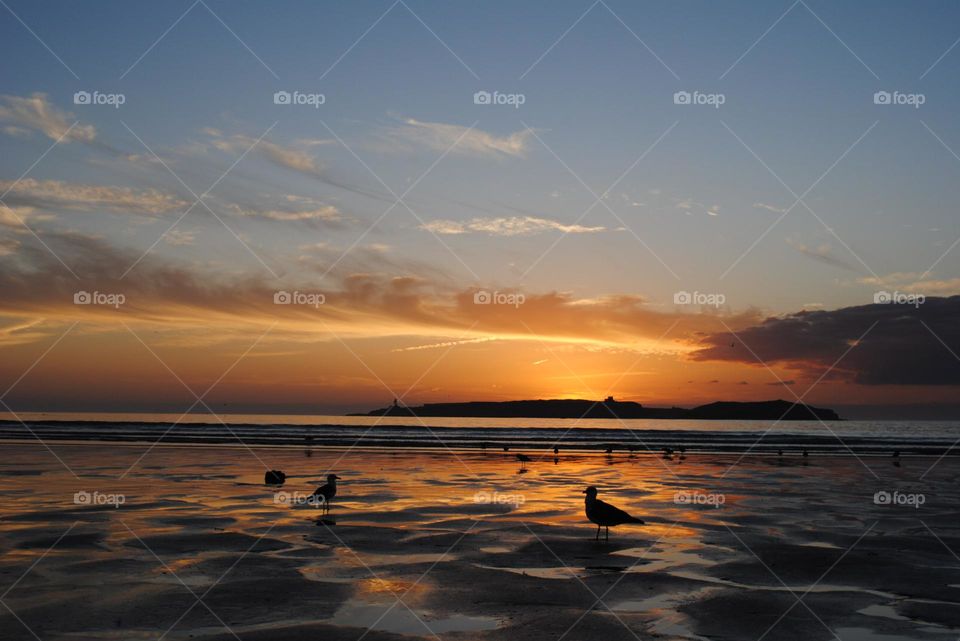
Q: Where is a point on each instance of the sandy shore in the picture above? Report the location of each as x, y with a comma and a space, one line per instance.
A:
187, 543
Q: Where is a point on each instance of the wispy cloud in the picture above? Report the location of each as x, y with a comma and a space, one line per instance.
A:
914, 282
30, 192
823, 254
506, 226
470, 141
773, 208
38, 114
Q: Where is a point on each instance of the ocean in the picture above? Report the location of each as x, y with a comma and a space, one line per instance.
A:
638, 435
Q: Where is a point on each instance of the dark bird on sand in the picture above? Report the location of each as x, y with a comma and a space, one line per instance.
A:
523, 458
506, 448
556, 451
609, 450
326, 492
604, 514
806, 453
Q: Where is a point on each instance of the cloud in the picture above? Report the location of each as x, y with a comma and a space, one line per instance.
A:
182, 296
440, 137
773, 208
822, 254
179, 238
313, 212
293, 157
689, 205
38, 114
512, 226
914, 282
903, 348
30, 192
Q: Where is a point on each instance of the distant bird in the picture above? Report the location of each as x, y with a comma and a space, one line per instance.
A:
506, 448
326, 492
667, 453
556, 451
604, 514
780, 453
609, 450
806, 453
524, 459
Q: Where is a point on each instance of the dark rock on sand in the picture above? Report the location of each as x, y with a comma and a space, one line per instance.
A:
274, 477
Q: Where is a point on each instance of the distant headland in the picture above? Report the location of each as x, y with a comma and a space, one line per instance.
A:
610, 408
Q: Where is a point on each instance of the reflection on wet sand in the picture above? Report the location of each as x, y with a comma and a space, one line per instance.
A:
458, 545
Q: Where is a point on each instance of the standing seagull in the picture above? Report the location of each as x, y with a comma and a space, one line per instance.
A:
326, 492
604, 514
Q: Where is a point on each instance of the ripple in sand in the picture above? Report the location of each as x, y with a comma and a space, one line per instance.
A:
391, 617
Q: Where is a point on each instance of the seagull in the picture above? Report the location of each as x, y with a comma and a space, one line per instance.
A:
326, 492
604, 514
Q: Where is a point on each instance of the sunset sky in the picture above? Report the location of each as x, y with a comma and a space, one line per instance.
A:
395, 207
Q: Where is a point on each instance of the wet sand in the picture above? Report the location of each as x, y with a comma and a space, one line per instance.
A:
189, 544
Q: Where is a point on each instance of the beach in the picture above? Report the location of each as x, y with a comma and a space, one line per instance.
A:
171, 542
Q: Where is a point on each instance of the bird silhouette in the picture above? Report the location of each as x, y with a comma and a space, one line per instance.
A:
326, 492
604, 514
524, 459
